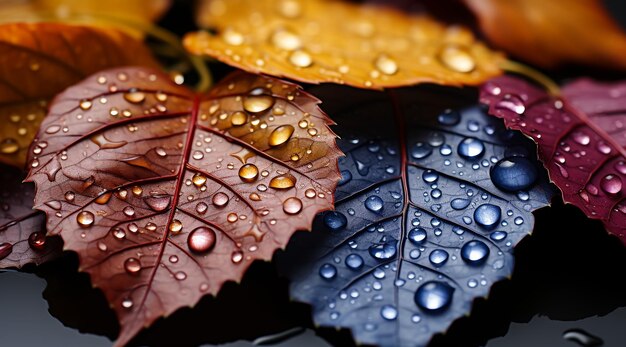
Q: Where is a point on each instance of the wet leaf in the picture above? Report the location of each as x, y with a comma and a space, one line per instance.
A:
552, 33
22, 230
428, 211
581, 138
39, 61
329, 41
165, 195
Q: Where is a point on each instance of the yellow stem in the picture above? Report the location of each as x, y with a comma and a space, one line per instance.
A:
535, 75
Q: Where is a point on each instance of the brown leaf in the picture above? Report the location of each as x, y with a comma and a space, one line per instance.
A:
329, 41
22, 230
165, 195
37, 61
553, 32
581, 140
90, 10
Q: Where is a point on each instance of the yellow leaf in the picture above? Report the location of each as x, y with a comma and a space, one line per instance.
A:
37, 61
330, 41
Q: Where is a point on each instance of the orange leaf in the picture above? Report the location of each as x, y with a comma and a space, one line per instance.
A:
165, 195
329, 41
553, 32
37, 61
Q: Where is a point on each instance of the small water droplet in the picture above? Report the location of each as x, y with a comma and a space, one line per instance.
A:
354, 261
438, 257
220, 199
449, 117
248, 173
457, 58
301, 58
135, 97
236, 257
328, 271
158, 202
374, 203
132, 266
386, 65
385, 249
389, 312
421, 151
176, 226
471, 148
85, 219
292, 205
459, 203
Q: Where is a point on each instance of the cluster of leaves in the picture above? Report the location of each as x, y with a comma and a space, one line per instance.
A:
165, 193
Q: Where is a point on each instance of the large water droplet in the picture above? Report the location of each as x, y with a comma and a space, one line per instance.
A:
421, 150
417, 236
514, 174
438, 257
135, 97
475, 252
285, 181
434, 296
385, 249
201, 240
158, 202
354, 261
257, 101
487, 216
374, 203
132, 265
459, 203
301, 58
457, 58
386, 65
335, 221
471, 148
176, 226
220, 199
292, 205
328, 271
248, 173
281, 135
611, 184
85, 219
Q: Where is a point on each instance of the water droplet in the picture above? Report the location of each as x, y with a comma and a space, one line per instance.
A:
132, 265
292, 205
135, 97
384, 249
581, 138
232, 217
201, 239
438, 257
335, 221
514, 174
417, 236
434, 296
301, 58
5, 249
286, 40
611, 184
498, 235
512, 103
180, 276
582, 338
459, 203
374, 203
201, 207
310, 193
85, 219
248, 173
238, 118
346, 176
386, 65
53, 129
449, 117
354, 261
54, 204
232, 37
198, 179
258, 101
487, 216
129, 211
85, 104
118, 233
176, 226
236, 257
471, 148
430, 176
127, 303
37, 241
158, 202
475, 252
285, 181
421, 151
328, 271
457, 58
280, 135
389, 312
9, 146
220, 199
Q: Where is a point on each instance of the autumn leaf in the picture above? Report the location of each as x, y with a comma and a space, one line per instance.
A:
330, 41
553, 33
37, 61
581, 138
165, 194
428, 211
22, 230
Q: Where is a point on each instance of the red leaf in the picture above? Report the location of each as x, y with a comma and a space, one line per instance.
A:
165, 195
581, 138
22, 230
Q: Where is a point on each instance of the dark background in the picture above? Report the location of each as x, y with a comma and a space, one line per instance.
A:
567, 275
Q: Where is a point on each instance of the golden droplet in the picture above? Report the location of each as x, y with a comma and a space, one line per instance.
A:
292, 205
232, 217
232, 37
248, 173
238, 118
85, 105
135, 97
255, 197
312, 131
286, 40
280, 135
198, 180
9, 146
285, 181
310, 193
301, 58
258, 103
457, 58
137, 190
176, 226
104, 198
386, 65
303, 124
85, 219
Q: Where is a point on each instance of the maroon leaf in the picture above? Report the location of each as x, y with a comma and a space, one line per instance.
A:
22, 230
165, 195
581, 138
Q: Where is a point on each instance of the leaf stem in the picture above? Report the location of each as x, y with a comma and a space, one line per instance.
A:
531, 73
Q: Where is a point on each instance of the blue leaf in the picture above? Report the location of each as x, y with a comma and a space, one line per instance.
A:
428, 211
